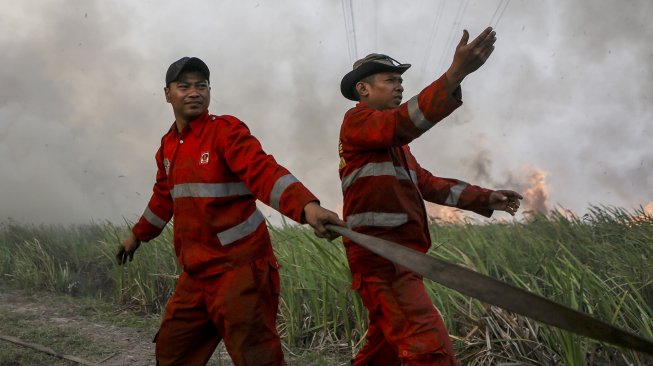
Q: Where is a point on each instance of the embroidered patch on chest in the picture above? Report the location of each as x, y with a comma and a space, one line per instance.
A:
204, 158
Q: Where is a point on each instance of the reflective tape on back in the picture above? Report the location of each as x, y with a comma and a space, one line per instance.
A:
455, 192
375, 170
243, 229
416, 115
383, 219
279, 187
154, 219
209, 190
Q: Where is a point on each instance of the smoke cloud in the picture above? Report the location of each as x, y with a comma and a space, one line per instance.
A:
568, 91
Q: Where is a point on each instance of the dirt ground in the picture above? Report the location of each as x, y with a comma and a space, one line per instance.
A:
95, 333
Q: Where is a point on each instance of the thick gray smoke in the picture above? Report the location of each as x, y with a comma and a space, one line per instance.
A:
568, 91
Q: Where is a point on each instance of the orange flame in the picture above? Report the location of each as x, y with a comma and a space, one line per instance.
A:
566, 213
536, 196
445, 214
644, 218
648, 209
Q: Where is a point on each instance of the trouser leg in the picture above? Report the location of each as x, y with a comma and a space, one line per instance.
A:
407, 319
186, 336
376, 351
244, 309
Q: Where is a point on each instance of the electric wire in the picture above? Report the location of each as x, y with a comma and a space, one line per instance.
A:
344, 15
376, 27
432, 35
353, 29
496, 24
460, 14
496, 11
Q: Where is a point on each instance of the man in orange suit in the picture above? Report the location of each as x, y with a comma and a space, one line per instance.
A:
384, 188
210, 172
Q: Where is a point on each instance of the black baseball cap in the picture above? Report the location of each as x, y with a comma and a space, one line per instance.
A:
371, 64
186, 64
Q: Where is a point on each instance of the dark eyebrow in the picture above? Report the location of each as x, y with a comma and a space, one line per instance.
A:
188, 82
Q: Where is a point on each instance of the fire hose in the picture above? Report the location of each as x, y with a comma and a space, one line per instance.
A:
498, 293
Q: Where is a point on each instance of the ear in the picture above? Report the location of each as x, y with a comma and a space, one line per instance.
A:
361, 89
166, 92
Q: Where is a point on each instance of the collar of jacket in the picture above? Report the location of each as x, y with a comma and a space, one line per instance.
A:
365, 105
196, 126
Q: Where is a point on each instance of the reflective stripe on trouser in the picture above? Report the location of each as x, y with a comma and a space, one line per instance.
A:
404, 327
237, 306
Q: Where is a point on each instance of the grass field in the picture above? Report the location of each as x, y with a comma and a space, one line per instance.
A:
601, 264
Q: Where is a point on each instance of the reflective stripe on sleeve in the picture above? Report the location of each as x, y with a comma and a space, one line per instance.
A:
401, 173
413, 176
375, 170
243, 229
279, 187
214, 190
154, 219
383, 219
408, 175
455, 192
416, 115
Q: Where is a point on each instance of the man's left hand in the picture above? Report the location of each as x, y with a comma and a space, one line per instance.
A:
317, 217
505, 200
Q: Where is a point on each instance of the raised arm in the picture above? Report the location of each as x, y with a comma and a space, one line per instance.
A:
366, 128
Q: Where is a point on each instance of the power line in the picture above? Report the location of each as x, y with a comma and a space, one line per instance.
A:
344, 15
353, 28
460, 14
434, 32
496, 24
500, 10
350, 31
496, 11
376, 27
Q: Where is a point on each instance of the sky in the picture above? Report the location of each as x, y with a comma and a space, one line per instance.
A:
562, 111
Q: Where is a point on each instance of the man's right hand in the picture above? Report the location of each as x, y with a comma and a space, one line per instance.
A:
470, 56
317, 217
127, 248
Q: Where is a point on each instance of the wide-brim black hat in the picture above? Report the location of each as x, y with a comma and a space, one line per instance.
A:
186, 64
371, 64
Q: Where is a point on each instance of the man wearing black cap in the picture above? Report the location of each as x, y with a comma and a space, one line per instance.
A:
210, 172
384, 188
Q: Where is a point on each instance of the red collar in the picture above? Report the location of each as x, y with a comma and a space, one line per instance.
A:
196, 126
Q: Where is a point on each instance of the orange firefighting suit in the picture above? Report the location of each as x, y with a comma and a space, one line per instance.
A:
384, 188
209, 177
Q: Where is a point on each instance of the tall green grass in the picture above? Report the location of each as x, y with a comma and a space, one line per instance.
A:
600, 263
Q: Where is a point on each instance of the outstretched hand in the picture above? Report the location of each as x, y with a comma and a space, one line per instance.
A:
470, 56
127, 248
317, 217
505, 200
